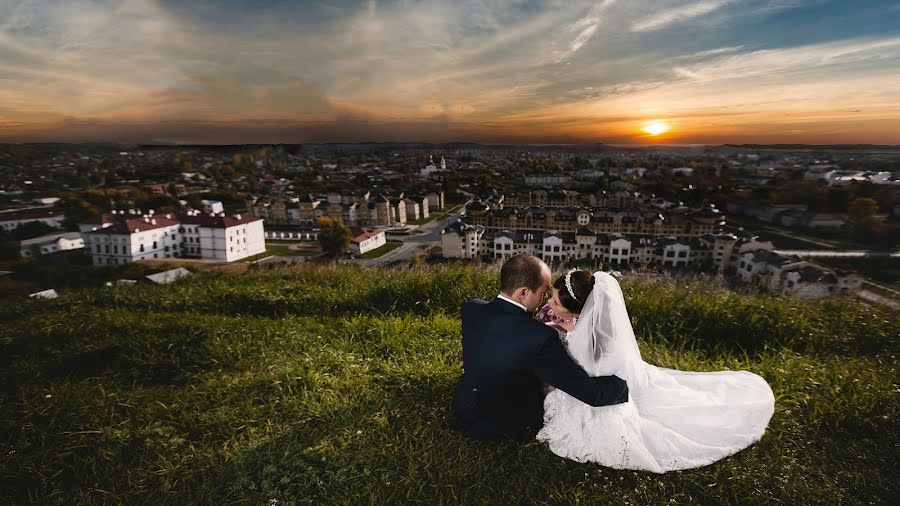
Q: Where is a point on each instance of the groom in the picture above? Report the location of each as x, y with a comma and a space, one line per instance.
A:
507, 355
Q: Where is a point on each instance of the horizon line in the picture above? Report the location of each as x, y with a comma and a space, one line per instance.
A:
350, 143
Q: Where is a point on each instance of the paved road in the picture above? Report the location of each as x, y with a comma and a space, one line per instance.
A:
430, 235
878, 299
839, 253
782, 233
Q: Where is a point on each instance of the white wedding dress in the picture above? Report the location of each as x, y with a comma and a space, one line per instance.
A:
672, 420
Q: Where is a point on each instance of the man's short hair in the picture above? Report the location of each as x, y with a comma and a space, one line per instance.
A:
521, 270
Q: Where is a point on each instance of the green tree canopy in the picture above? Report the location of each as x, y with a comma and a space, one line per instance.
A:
30, 230
334, 236
77, 209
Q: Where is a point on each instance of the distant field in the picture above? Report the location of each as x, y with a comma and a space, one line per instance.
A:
333, 386
885, 271
793, 238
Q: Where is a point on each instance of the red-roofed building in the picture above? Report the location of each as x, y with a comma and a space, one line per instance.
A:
97, 222
221, 236
122, 237
366, 239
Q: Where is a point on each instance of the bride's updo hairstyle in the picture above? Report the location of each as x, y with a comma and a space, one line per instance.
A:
582, 282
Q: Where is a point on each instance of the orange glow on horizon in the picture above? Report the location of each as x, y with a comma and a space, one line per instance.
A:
655, 128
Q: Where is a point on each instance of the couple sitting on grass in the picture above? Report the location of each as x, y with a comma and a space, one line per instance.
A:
574, 378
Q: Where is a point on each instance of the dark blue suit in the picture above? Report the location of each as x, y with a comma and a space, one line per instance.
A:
507, 356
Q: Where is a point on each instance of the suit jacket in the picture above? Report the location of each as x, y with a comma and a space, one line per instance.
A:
507, 356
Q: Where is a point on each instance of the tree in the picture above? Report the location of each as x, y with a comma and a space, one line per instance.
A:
9, 250
77, 209
861, 217
862, 209
334, 236
30, 230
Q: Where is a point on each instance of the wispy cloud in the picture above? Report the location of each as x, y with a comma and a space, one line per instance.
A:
677, 14
463, 67
586, 27
709, 52
792, 60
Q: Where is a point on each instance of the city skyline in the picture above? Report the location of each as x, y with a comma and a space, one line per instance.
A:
709, 71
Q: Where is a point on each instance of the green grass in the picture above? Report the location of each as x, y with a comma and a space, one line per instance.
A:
284, 250
422, 221
333, 385
381, 250
432, 216
280, 250
795, 238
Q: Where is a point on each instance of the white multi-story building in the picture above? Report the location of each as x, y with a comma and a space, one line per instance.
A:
416, 207
792, 276
619, 250
120, 238
133, 237
741, 254
223, 237
714, 251
11, 220
435, 200
52, 243
460, 240
431, 168
366, 239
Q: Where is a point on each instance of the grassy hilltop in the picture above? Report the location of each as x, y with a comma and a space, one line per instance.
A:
333, 385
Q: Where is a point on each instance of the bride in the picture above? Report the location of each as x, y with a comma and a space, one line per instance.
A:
673, 420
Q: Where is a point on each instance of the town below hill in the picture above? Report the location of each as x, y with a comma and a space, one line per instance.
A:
809, 221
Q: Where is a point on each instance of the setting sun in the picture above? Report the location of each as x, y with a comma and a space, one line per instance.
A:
656, 128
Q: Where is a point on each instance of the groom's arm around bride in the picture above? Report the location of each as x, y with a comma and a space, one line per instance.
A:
507, 356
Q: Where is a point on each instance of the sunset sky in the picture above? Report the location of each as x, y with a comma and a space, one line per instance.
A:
233, 71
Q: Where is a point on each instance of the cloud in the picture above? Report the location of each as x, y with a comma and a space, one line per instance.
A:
475, 65
792, 60
586, 28
676, 14
709, 52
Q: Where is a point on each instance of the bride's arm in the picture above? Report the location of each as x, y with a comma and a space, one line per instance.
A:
555, 367
563, 326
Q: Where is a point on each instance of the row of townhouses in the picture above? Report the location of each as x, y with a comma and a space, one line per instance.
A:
462, 240
121, 237
361, 209
792, 276
679, 221
753, 261
623, 198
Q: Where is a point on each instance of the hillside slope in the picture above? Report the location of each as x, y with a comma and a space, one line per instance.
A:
334, 384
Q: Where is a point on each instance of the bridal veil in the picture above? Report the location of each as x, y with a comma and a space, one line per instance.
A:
673, 419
